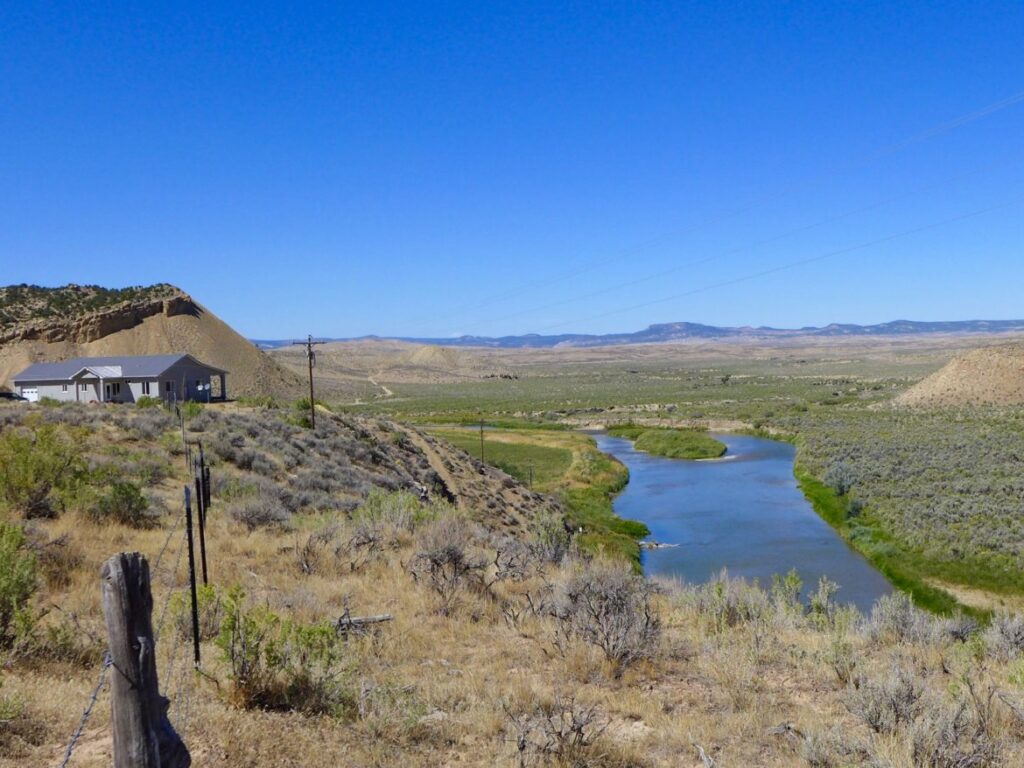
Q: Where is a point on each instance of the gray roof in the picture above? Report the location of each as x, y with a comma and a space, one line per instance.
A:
132, 367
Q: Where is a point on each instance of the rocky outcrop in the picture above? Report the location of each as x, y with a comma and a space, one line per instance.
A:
95, 326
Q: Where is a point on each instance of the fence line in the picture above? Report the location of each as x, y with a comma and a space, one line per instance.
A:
183, 697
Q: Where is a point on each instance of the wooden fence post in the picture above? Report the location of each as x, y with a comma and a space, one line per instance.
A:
143, 736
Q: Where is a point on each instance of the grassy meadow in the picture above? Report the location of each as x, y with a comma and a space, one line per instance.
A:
568, 466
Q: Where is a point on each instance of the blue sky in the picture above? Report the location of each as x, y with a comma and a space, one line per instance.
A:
446, 168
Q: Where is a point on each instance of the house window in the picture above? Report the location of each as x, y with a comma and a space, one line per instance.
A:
145, 387
83, 387
117, 388
169, 386
63, 387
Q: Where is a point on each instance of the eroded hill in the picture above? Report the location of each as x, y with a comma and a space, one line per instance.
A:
45, 324
988, 376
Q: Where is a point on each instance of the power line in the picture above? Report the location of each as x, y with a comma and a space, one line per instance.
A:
790, 265
746, 246
855, 164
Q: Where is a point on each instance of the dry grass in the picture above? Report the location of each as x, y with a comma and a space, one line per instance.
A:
744, 676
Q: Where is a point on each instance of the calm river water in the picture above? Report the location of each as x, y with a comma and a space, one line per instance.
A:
743, 512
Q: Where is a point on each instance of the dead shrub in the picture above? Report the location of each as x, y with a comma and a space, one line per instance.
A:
445, 560
606, 605
559, 732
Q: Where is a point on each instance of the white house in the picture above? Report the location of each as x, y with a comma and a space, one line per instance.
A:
122, 379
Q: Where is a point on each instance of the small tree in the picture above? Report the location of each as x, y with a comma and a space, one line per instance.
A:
840, 478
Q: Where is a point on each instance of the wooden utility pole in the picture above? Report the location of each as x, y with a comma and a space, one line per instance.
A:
143, 736
311, 359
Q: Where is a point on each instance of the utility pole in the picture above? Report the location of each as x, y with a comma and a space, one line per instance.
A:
311, 359
481, 438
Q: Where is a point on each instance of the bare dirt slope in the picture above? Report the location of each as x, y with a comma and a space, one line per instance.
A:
988, 376
162, 324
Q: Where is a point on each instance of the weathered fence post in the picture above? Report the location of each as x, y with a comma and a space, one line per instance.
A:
143, 736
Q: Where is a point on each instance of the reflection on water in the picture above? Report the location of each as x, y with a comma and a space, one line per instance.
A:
745, 513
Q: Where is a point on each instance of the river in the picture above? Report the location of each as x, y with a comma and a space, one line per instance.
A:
744, 512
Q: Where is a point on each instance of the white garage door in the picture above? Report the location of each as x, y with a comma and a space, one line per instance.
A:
30, 394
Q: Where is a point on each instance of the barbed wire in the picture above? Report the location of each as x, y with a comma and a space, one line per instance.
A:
170, 592
170, 534
107, 661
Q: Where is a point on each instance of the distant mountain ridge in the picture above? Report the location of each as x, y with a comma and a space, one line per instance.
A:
667, 332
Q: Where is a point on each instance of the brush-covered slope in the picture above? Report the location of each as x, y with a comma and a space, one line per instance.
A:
987, 376
40, 324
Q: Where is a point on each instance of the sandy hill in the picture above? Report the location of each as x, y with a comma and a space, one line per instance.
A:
40, 324
988, 376
363, 369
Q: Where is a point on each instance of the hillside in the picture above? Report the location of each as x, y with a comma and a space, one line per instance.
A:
362, 369
493, 643
39, 324
989, 376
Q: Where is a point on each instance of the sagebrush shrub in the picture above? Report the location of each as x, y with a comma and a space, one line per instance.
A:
885, 705
281, 664
17, 581
260, 512
124, 503
894, 618
1004, 637
41, 467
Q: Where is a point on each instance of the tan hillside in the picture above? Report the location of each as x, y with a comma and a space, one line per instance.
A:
988, 376
74, 321
363, 369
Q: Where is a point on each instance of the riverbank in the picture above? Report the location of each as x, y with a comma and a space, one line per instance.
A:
569, 466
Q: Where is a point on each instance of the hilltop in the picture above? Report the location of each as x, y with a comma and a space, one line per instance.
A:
988, 376
38, 324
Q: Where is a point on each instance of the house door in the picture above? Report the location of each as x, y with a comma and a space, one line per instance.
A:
106, 392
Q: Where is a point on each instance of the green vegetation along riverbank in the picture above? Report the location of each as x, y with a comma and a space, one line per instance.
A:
670, 443
567, 465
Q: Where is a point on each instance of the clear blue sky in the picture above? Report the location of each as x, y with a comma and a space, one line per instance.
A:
445, 168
